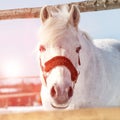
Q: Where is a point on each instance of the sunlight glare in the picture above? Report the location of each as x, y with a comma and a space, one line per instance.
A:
12, 69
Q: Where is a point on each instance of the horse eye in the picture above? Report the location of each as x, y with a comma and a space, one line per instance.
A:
78, 49
42, 48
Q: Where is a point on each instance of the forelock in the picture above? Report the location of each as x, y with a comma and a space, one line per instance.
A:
56, 25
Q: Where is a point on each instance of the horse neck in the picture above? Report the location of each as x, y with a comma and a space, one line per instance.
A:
89, 55
91, 71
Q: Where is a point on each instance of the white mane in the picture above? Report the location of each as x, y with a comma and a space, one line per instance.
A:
55, 26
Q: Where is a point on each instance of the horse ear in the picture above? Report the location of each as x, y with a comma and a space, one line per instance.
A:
74, 15
44, 14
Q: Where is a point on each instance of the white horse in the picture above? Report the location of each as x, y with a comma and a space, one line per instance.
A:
76, 71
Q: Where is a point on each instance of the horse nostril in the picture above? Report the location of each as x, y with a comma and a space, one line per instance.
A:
70, 92
53, 91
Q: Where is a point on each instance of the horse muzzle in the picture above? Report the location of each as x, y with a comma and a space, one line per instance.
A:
60, 97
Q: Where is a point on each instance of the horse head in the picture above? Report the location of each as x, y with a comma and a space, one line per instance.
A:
59, 49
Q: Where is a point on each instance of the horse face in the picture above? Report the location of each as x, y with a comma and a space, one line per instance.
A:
59, 75
59, 56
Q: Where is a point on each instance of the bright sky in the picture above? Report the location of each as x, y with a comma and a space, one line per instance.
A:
19, 37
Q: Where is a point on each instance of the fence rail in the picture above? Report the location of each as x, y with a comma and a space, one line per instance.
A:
84, 6
82, 114
20, 77
17, 95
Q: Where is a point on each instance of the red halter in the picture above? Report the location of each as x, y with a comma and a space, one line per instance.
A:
59, 61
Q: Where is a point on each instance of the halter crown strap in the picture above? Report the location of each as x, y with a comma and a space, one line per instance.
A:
61, 61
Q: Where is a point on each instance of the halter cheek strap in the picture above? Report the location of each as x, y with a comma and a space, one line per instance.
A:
59, 61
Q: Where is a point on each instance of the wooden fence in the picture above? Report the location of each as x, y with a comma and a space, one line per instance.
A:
85, 6
81, 114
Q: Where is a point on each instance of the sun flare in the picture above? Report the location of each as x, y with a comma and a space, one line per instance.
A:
12, 69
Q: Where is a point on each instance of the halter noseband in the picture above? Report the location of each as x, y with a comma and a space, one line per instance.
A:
59, 61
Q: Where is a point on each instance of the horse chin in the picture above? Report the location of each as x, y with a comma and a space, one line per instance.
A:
60, 106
